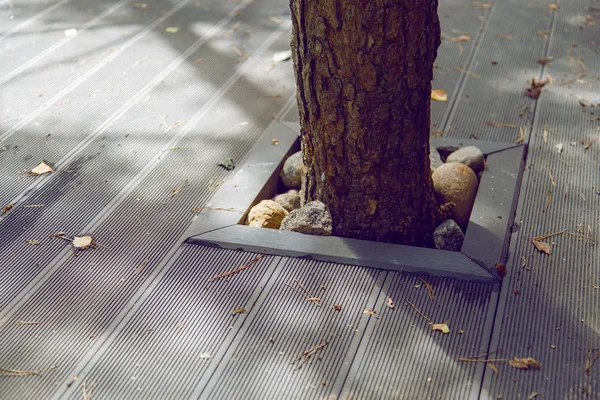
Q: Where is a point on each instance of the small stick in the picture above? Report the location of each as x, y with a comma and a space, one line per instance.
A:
549, 235
429, 288
551, 178
500, 124
481, 355
590, 362
88, 395
17, 372
420, 313
463, 71
482, 361
238, 270
216, 209
308, 353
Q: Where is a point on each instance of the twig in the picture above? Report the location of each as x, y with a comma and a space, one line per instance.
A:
420, 313
310, 352
481, 355
17, 372
465, 359
88, 395
590, 362
551, 178
549, 235
216, 209
467, 72
502, 125
238, 270
306, 294
429, 288
177, 190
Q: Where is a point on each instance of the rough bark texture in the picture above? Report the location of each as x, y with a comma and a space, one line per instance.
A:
363, 71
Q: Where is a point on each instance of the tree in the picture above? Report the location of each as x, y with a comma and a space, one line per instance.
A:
363, 72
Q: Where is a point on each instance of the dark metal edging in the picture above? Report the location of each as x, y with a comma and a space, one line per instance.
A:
486, 241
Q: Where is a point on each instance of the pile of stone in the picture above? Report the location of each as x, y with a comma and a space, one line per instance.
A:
456, 181
284, 212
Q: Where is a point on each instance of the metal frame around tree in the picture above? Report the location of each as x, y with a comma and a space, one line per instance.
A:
219, 223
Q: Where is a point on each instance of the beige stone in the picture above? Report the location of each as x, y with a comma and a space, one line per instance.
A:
266, 214
456, 183
289, 200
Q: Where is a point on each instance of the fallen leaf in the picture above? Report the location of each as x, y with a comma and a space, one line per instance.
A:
282, 56
17, 372
493, 368
533, 395
205, 356
440, 327
525, 363
390, 303
501, 270
535, 90
227, 163
239, 310
274, 142
464, 38
276, 20
172, 29
482, 6
542, 246
32, 241
313, 299
337, 307
82, 242
560, 147
41, 169
8, 207
369, 312
553, 6
439, 95
140, 5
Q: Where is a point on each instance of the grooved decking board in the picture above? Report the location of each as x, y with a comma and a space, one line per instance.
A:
552, 302
20, 16
401, 357
491, 93
141, 222
113, 165
263, 362
177, 334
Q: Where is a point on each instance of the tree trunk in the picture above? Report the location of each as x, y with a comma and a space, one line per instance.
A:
363, 71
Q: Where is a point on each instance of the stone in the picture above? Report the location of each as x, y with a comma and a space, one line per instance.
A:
291, 173
456, 183
289, 200
266, 214
435, 159
471, 156
448, 236
313, 219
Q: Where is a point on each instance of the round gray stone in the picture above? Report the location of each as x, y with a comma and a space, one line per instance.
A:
291, 173
448, 236
289, 200
313, 219
471, 156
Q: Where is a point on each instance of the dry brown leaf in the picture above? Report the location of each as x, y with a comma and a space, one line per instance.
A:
482, 6
464, 38
8, 207
390, 303
542, 246
313, 299
337, 307
525, 363
439, 95
535, 90
32, 241
501, 269
440, 327
369, 312
553, 6
239, 310
41, 169
82, 242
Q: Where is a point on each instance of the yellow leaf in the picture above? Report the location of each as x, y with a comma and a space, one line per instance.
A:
464, 38
369, 312
41, 169
525, 363
440, 327
542, 246
172, 29
337, 307
553, 6
82, 242
239, 310
439, 95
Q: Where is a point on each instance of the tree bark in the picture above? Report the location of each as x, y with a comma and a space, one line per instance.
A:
363, 71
